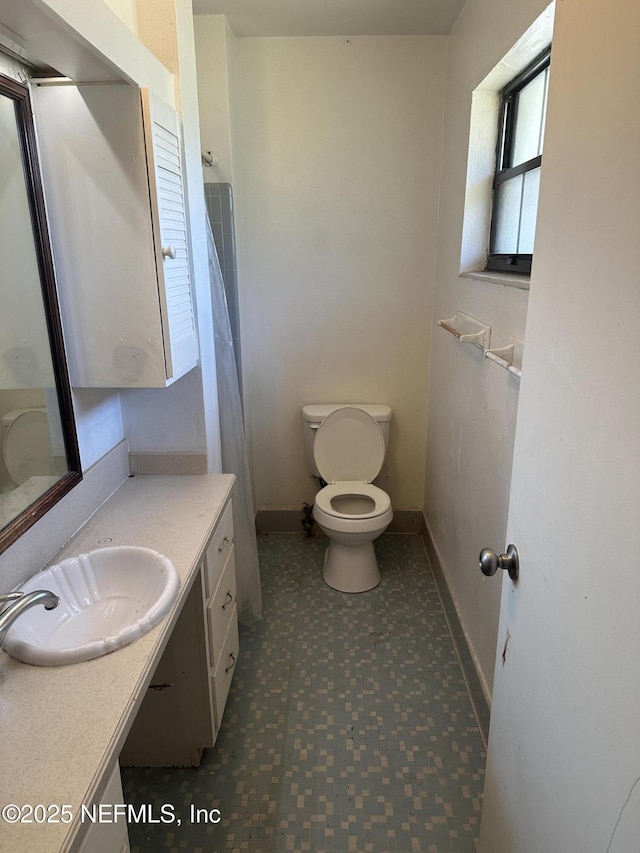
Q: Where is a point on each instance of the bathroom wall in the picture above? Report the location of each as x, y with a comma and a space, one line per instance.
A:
473, 403
337, 145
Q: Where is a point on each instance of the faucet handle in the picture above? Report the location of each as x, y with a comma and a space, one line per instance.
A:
23, 601
7, 597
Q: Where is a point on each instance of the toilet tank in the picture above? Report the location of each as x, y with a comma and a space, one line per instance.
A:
313, 415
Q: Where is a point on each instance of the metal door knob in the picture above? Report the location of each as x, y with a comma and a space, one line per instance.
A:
490, 562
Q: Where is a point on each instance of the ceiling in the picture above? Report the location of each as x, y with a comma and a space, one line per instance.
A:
334, 17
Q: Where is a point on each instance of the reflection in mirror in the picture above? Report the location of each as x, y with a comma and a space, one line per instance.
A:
39, 460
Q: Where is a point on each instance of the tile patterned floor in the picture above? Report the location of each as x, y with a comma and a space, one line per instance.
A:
348, 725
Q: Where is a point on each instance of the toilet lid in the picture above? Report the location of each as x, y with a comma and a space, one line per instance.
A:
26, 446
349, 445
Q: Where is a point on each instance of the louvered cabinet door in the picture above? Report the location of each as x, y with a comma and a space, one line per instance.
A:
169, 223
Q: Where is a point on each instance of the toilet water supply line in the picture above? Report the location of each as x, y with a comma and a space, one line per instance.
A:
307, 519
307, 509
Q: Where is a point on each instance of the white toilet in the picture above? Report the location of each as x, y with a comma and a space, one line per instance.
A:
26, 444
346, 446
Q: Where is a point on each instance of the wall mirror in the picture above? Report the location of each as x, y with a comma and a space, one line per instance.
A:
39, 458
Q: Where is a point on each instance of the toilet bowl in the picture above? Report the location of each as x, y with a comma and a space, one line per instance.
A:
348, 451
26, 444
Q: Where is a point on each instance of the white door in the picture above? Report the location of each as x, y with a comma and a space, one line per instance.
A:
563, 769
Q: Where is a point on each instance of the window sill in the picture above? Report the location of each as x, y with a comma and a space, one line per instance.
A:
504, 278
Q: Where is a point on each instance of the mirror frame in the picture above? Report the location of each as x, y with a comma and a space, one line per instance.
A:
19, 93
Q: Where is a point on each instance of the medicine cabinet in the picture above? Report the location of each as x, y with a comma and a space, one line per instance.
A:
112, 170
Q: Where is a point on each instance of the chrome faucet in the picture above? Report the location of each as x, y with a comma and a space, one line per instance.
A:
21, 601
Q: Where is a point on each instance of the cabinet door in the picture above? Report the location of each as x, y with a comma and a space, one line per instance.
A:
175, 722
170, 235
120, 308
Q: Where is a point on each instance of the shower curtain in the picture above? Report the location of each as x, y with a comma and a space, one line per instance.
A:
234, 453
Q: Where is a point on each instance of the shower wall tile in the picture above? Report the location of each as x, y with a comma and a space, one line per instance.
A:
215, 208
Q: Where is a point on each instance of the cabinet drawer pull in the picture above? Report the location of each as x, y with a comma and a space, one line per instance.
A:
225, 542
228, 600
169, 252
232, 664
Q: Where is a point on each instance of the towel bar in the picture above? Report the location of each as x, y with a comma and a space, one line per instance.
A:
468, 330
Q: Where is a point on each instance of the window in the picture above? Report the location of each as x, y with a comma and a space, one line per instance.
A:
516, 184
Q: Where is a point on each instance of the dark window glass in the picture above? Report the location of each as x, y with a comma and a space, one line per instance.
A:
519, 158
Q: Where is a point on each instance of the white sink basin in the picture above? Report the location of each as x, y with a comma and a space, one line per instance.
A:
108, 598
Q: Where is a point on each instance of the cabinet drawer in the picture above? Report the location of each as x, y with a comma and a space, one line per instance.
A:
221, 608
218, 550
223, 673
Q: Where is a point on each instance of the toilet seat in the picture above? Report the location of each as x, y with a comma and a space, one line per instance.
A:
349, 447
342, 489
349, 450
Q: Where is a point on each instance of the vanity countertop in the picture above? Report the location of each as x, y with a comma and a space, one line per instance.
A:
62, 727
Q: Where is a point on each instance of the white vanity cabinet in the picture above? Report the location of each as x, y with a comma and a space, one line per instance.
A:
112, 172
101, 709
182, 711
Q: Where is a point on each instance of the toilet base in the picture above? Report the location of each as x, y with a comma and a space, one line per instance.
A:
351, 568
